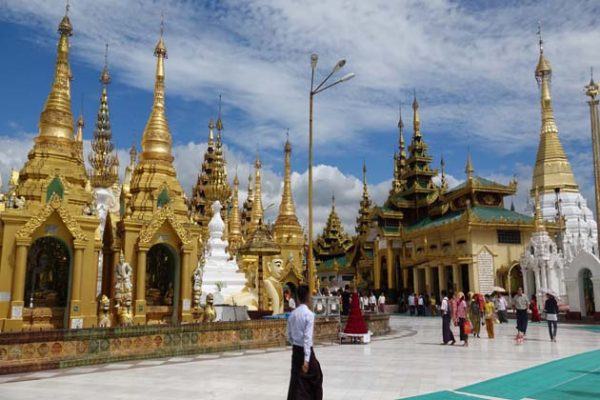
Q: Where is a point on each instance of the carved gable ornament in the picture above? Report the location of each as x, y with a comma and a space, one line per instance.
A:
165, 213
55, 204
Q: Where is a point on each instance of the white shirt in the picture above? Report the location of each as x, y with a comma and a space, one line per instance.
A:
421, 301
291, 303
381, 299
411, 300
300, 326
501, 304
444, 306
372, 300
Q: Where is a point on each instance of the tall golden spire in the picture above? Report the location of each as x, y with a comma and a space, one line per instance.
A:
552, 169
104, 163
154, 182
399, 182
364, 212
56, 119
287, 221
416, 117
443, 181
469, 170
235, 231
287, 208
247, 207
257, 208
156, 141
539, 219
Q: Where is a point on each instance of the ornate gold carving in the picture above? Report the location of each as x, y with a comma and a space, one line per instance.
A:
164, 214
58, 205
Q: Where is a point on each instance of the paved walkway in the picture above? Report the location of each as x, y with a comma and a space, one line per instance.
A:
409, 362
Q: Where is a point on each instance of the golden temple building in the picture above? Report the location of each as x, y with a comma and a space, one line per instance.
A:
69, 249
48, 261
427, 237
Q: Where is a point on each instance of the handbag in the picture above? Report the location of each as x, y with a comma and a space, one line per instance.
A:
468, 328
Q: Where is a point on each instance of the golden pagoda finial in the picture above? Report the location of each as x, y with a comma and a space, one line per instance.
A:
80, 125
157, 140
364, 211
333, 201
552, 169
469, 170
219, 120
257, 208
443, 181
287, 208
102, 159
287, 221
56, 119
235, 226
211, 134
416, 117
105, 76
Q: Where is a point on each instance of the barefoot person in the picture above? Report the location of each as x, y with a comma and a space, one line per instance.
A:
306, 380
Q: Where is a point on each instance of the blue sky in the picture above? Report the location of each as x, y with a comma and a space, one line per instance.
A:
471, 65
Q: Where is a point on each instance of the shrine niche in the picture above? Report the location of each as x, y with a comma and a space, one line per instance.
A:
47, 282
161, 283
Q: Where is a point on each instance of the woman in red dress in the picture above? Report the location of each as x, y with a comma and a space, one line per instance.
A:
535, 312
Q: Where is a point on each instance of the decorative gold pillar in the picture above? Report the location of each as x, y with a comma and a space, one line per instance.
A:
376, 266
185, 293
389, 260
18, 288
428, 280
75, 320
140, 287
456, 281
415, 280
442, 278
405, 282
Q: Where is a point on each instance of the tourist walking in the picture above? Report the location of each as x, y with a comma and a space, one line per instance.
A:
446, 312
306, 379
381, 302
490, 316
475, 314
535, 311
551, 310
461, 315
521, 305
501, 306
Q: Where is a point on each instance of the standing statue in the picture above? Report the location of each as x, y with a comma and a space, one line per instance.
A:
123, 291
104, 319
197, 287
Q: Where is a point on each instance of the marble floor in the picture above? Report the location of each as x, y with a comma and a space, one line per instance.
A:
408, 362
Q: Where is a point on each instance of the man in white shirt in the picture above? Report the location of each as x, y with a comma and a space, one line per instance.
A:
501, 308
411, 303
381, 302
306, 380
447, 335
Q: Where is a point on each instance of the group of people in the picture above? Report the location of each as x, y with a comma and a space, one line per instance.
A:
472, 312
422, 304
367, 300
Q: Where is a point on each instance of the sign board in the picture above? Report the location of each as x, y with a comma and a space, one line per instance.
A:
16, 312
4, 296
485, 265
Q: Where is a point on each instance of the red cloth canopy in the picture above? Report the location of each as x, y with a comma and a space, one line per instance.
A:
356, 323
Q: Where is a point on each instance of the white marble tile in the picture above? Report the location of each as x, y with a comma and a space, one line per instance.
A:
385, 369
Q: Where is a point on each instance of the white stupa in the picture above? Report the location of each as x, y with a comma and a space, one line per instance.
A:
221, 276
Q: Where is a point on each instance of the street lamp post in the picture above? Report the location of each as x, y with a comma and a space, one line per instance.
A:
314, 91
